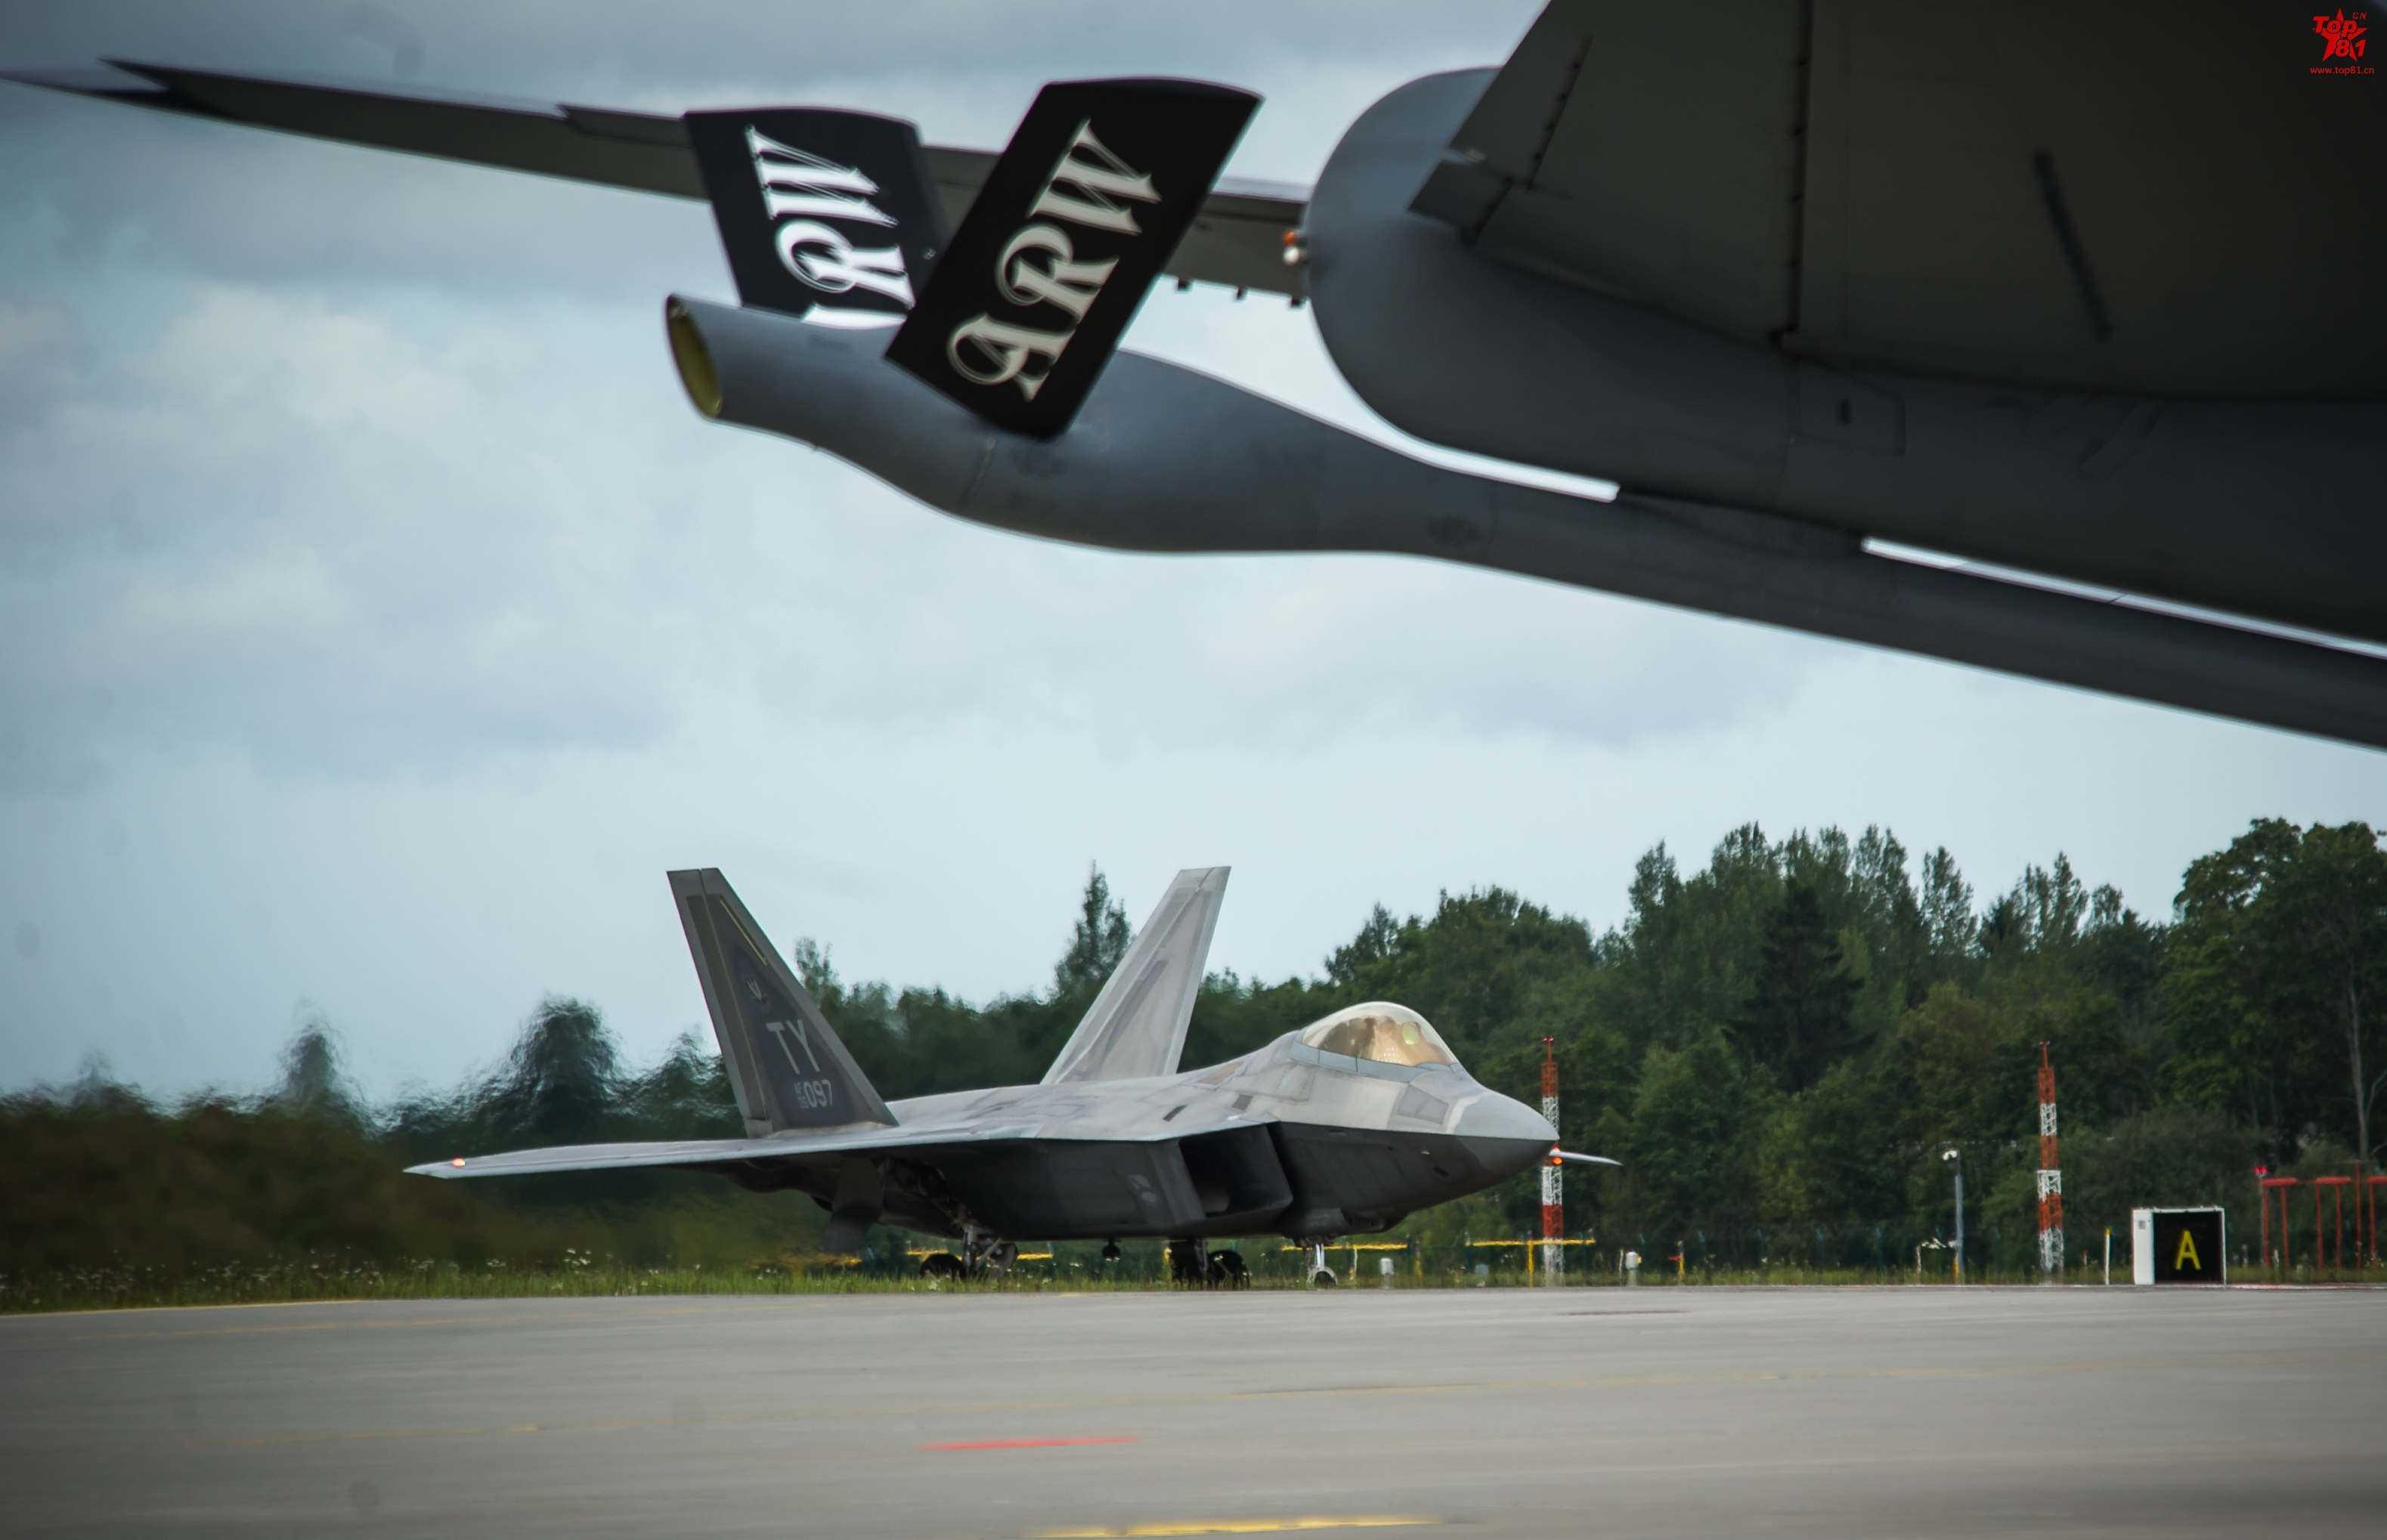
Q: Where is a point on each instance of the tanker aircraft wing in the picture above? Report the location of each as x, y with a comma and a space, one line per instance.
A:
1238, 239
1348, 1124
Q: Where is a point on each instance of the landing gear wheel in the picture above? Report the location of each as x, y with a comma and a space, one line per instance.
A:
1322, 1279
986, 1256
941, 1264
1227, 1271
1188, 1265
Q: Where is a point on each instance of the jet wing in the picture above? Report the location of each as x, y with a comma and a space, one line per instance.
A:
714, 1153
1237, 239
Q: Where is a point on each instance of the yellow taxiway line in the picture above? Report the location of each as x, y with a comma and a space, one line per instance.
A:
1241, 1526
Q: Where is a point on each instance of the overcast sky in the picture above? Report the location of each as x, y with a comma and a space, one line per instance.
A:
378, 624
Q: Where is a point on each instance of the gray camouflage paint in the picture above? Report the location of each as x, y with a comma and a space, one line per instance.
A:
1289, 1139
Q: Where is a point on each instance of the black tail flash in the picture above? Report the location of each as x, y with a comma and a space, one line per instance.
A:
1086, 206
828, 216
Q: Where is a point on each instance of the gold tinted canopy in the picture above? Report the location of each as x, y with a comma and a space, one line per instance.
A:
1382, 1032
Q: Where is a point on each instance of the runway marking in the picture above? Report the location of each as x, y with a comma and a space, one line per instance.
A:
1028, 1443
573, 1319
1598, 1381
1675, 1312
1242, 1526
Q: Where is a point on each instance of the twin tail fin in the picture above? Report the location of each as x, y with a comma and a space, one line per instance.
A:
788, 1069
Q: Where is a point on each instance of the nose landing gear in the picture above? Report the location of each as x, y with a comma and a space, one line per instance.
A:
982, 1257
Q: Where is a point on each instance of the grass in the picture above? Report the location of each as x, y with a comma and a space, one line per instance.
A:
133, 1286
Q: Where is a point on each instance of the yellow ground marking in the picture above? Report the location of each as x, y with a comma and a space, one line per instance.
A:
1241, 1526
1597, 1382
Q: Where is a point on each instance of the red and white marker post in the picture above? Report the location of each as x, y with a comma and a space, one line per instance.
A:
1553, 1194
2050, 1176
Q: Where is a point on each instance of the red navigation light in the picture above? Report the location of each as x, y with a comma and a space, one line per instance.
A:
457, 1161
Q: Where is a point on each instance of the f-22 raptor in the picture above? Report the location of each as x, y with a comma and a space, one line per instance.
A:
1347, 1125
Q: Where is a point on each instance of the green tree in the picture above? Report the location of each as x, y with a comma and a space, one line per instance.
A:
1950, 928
1687, 1143
1097, 940
560, 1082
1825, 1154
2275, 959
1795, 1020
312, 1080
2327, 921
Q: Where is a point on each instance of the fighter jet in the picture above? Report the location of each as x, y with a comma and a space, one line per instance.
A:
2028, 336
1349, 1124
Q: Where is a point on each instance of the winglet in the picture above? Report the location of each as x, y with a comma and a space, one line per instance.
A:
1136, 1026
786, 1066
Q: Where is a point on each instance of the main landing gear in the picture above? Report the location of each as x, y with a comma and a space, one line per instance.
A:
1320, 1275
1195, 1268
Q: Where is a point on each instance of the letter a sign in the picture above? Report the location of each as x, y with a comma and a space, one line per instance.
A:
2185, 1245
1087, 205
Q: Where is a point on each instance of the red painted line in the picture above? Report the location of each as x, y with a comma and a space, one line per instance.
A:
1027, 1443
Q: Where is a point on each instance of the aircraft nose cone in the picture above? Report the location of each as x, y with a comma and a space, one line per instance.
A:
1505, 1134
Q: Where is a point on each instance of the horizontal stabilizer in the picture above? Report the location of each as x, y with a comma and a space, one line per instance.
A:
1079, 215
788, 1069
1136, 1026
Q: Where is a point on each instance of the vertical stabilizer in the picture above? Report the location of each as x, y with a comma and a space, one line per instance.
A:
1136, 1026
786, 1066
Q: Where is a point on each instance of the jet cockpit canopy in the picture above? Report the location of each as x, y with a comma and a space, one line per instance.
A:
1381, 1032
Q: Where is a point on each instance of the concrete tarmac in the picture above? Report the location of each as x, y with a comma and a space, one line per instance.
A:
1845, 1413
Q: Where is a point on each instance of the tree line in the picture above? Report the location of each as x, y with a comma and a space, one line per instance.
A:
1779, 1044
